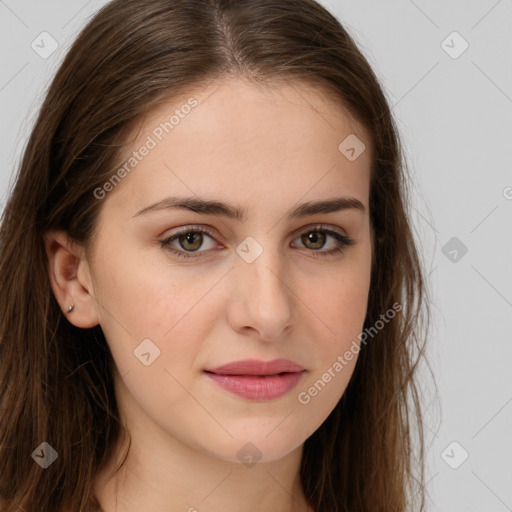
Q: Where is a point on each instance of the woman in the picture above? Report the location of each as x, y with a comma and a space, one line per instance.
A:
211, 295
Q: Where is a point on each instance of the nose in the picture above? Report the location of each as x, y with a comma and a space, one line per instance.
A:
262, 301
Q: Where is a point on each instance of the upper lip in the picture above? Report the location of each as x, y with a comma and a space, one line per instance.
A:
257, 367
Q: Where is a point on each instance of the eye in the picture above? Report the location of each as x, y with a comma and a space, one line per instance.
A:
317, 238
188, 240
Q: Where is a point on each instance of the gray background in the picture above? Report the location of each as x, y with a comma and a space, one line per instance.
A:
454, 114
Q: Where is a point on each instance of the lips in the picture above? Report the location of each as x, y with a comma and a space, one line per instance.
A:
257, 380
256, 367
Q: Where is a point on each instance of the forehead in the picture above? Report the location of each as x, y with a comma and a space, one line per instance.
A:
277, 140
240, 101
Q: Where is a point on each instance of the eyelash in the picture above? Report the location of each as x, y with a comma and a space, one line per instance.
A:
344, 240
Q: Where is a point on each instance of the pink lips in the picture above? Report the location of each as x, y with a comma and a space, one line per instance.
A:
257, 380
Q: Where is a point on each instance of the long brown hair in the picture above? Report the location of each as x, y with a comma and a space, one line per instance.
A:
56, 383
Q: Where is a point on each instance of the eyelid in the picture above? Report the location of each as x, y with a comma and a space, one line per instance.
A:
192, 228
213, 233
319, 227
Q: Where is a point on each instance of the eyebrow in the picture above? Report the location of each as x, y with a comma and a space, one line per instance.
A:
212, 207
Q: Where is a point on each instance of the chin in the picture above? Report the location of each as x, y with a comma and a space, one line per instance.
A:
255, 447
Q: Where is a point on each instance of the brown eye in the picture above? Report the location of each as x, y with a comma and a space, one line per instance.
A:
313, 239
191, 241
323, 241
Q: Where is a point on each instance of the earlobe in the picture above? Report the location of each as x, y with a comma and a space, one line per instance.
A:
69, 276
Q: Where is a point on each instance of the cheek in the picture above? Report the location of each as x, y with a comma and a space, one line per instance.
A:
341, 301
166, 305
344, 318
340, 306
341, 313
148, 295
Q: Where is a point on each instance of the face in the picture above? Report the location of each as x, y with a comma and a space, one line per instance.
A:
235, 238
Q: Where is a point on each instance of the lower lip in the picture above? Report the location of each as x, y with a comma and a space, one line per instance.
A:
254, 387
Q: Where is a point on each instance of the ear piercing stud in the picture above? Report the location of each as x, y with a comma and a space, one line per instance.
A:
70, 309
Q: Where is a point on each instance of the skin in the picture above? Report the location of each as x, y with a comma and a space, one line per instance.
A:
264, 149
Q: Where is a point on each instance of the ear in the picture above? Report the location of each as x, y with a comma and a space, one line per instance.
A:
70, 279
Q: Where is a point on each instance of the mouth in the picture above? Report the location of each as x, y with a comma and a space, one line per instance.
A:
257, 380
